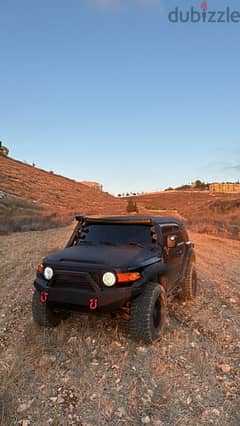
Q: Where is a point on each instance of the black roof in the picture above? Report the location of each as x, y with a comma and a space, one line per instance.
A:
137, 219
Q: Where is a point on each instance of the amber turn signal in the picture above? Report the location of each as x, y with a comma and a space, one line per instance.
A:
126, 277
40, 268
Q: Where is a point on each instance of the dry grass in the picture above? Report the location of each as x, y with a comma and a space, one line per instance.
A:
55, 194
88, 371
204, 212
19, 215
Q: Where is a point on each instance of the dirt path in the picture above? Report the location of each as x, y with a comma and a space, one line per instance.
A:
89, 372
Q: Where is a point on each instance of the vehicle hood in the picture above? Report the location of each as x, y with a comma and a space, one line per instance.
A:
120, 257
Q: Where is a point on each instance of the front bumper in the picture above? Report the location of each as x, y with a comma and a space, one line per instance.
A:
92, 298
87, 293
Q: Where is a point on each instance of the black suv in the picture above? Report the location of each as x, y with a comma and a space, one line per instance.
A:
110, 262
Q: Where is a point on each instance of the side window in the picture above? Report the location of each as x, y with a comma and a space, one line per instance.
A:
177, 232
180, 235
167, 230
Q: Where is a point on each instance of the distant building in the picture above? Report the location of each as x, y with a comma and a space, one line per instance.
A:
224, 187
95, 185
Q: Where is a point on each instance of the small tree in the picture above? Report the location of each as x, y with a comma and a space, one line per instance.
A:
132, 206
4, 151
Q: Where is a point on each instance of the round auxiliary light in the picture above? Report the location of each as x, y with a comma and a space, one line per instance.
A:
109, 279
48, 273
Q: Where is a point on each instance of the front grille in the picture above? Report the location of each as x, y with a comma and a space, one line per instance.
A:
72, 281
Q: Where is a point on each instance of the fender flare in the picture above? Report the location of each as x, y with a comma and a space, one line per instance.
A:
148, 274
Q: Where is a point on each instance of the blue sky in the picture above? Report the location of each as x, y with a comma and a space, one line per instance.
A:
109, 90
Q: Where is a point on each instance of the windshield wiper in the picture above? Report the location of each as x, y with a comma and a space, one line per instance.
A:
136, 244
86, 242
106, 243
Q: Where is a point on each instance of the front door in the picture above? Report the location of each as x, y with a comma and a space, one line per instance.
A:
173, 256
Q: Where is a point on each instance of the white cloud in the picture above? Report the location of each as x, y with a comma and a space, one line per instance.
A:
150, 3
107, 4
117, 5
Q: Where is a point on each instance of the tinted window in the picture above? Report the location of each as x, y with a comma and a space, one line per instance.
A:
116, 234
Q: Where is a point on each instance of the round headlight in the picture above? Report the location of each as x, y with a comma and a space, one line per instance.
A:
48, 273
109, 279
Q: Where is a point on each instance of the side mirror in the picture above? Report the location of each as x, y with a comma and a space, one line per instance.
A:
171, 241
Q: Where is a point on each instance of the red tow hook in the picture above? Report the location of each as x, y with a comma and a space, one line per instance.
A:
43, 297
93, 304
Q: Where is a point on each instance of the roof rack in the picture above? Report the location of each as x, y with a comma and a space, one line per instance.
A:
116, 220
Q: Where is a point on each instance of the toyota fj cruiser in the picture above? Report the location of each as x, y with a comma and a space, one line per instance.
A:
110, 262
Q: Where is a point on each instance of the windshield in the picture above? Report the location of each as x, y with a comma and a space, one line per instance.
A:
116, 234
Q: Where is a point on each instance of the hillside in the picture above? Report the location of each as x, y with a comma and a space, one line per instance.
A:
53, 193
88, 371
203, 211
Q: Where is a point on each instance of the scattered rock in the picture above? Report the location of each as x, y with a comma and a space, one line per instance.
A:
25, 422
116, 344
93, 396
225, 368
142, 349
72, 340
115, 367
46, 360
42, 387
65, 379
215, 412
121, 412
22, 408
145, 420
71, 408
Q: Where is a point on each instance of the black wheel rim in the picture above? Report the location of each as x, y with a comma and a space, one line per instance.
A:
157, 314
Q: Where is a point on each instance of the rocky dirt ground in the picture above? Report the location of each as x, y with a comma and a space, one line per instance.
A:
89, 372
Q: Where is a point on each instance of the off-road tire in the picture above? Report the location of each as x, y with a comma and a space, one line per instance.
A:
148, 313
189, 286
43, 314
